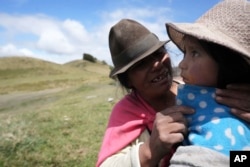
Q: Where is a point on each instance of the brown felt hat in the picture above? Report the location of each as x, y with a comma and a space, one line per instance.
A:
130, 42
226, 24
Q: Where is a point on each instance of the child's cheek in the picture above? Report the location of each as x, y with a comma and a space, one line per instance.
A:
195, 74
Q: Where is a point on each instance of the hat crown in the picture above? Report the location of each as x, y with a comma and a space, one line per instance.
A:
124, 34
231, 17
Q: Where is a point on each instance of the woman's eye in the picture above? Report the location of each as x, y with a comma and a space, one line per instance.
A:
140, 65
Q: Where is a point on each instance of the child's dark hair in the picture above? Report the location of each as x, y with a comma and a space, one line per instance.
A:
233, 68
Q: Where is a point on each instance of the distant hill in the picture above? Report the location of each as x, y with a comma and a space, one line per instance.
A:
97, 67
25, 66
27, 74
22, 62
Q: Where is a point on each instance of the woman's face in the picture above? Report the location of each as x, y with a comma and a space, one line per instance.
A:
197, 66
152, 75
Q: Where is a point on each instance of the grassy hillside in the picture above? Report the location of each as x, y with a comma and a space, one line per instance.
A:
51, 114
29, 74
97, 67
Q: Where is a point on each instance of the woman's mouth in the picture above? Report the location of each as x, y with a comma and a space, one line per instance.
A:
161, 77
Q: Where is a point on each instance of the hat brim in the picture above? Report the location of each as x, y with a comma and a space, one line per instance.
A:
145, 54
177, 31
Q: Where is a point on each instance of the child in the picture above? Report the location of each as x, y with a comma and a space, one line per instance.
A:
206, 66
216, 53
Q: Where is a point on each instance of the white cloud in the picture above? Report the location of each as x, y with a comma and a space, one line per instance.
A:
51, 36
64, 40
54, 41
26, 52
8, 49
75, 30
11, 50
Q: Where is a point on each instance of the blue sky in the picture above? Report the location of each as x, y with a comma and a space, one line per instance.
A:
62, 30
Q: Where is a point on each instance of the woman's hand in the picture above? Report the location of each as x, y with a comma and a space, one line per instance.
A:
236, 96
169, 129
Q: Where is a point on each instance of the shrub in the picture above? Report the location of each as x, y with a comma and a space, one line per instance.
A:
89, 57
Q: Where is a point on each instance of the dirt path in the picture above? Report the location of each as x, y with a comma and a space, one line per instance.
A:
17, 98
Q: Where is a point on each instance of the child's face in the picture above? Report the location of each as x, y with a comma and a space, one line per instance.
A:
197, 66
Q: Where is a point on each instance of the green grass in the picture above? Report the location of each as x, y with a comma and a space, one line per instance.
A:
57, 129
28, 74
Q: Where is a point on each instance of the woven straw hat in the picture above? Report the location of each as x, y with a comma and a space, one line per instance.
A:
227, 24
130, 42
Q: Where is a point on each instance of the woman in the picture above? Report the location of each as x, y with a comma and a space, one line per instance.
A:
142, 66
144, 127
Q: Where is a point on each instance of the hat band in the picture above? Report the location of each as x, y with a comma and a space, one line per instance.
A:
136, 50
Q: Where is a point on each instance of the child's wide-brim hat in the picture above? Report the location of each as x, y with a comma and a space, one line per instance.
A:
227, 24
130, 42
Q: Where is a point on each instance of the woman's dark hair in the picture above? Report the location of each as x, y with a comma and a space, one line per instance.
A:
123, 79
233, 68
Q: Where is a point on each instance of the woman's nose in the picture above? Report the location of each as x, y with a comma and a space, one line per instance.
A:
160, 62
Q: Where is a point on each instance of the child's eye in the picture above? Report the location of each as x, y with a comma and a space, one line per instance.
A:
195, 53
